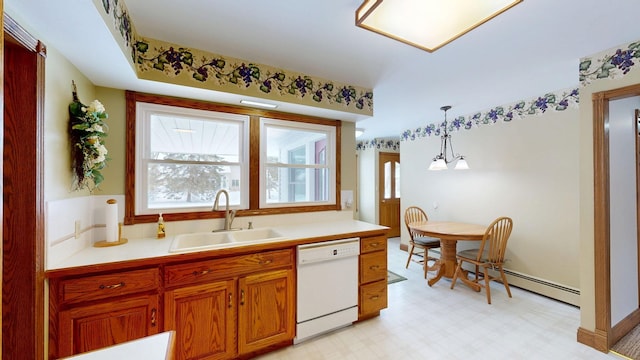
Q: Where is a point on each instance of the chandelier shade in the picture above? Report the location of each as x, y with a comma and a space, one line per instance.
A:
447, 155
428, 24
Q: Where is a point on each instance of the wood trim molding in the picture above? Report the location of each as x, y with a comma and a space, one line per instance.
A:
601, 220
23, 194
623, 327
254, 152
603, 336
586, 337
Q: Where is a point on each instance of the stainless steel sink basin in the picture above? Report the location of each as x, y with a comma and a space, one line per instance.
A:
216, 240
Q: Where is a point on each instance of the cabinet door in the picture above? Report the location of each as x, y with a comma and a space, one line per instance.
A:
203, 317
86, 328
266, 310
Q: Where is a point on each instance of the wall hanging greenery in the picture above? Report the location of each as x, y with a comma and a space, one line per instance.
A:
87, 130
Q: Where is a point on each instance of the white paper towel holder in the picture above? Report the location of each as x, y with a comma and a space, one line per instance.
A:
120, 241
105, 243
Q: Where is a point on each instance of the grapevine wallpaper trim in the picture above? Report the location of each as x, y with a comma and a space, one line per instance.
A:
379, 144
610, 64
559, 101
157, 60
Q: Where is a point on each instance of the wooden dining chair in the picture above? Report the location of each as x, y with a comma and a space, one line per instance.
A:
490, 255
416, 214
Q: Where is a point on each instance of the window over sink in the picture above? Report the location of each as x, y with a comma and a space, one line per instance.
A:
180, 152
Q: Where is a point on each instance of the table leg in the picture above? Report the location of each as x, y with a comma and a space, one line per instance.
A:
447, 263
470, 283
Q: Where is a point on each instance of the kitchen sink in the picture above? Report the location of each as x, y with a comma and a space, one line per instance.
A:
254, 235
195, 241
222, 239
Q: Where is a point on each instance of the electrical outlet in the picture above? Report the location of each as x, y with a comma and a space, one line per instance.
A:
77, 231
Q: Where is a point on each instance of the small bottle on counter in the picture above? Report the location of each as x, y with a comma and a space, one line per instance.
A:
161, 233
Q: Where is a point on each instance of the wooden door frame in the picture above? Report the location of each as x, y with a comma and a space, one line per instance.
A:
605, 335
380, 181
23, 193
1, 155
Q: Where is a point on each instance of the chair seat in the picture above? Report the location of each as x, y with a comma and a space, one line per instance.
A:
472, 254
427, 242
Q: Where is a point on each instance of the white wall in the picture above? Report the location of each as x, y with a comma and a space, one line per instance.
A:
526, 169
623, 214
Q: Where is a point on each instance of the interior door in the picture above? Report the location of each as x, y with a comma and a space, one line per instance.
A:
389, 185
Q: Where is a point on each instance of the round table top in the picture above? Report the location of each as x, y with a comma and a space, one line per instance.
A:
449, 230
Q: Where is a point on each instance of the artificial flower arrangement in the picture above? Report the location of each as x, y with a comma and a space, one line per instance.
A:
87, 131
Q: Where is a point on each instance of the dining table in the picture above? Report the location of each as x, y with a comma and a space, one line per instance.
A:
449, 233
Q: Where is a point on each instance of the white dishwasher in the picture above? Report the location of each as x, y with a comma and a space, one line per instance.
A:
327, 287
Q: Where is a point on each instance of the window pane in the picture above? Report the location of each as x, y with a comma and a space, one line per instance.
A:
397, 180
298, 187
184, 185
282, 142
187, 156
387, 180
173, 134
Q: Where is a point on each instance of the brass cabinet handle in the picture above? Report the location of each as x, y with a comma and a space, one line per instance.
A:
111, 287
241, 297
375, 244
374, 267
266, 262
203, 272
375, 297
230, 300
154, 313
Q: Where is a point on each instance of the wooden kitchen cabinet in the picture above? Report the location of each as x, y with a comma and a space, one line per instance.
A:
267, 310
373, 276
204, 318
259, 288
103, 310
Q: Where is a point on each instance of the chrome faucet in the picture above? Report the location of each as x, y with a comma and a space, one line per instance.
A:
229, 215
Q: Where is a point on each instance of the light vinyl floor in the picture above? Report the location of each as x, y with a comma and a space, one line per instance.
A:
439, 323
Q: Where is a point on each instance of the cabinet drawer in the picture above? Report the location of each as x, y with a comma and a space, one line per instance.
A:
203, 271
371, 244
109, 285
373, 297
373, 267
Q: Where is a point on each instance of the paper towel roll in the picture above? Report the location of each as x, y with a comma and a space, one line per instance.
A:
111, 220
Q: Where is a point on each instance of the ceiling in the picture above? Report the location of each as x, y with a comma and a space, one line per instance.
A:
531, 49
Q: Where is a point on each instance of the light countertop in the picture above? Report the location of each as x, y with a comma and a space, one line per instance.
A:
153, 347
145, 248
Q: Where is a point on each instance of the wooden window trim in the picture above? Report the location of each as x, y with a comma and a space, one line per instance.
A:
254, 157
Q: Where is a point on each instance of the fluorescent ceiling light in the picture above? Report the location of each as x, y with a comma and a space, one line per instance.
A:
427, 24
180, 130
359, 132
260, 104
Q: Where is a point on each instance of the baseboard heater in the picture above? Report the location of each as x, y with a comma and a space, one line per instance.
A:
540, 286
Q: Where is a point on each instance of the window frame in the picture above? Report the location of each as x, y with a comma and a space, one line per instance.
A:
130, 216
143, 149
330, 145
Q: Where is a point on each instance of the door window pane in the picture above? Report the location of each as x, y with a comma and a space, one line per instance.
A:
397, 179
387, 180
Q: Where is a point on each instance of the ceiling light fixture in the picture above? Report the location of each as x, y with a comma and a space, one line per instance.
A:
427, 24
359, 132
441, 160
181, 130
259, 104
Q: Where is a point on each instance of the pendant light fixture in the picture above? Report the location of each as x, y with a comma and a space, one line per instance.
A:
447, 155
